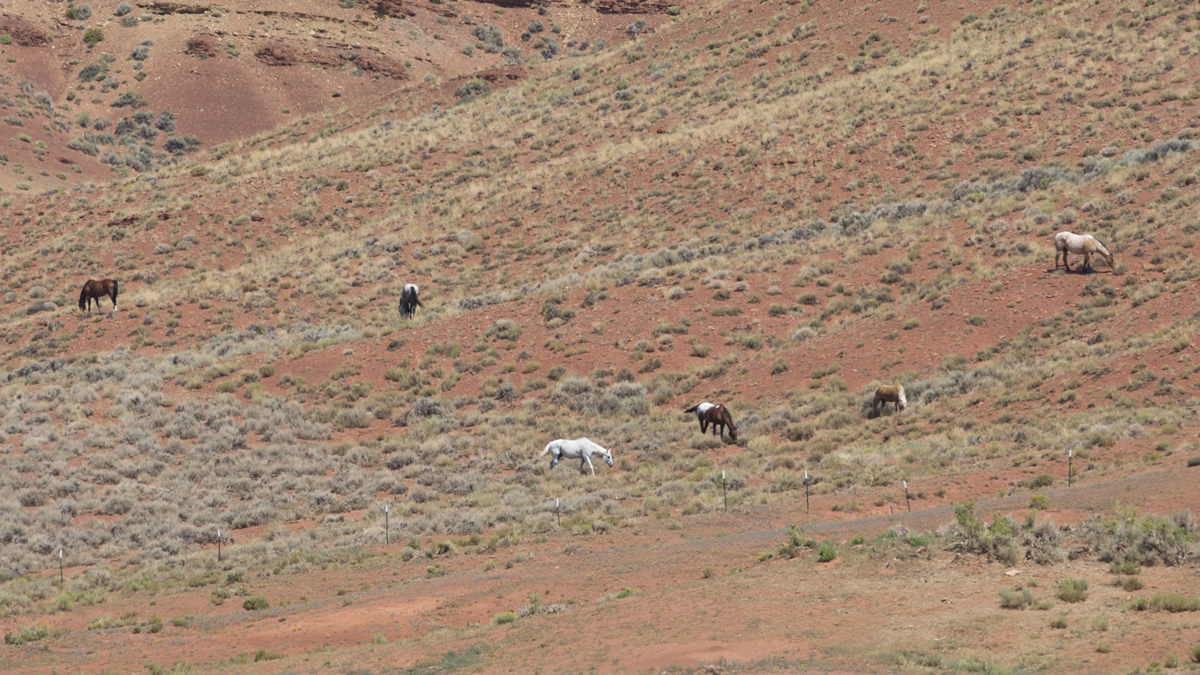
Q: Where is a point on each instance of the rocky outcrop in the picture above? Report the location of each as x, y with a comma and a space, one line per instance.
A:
631, 6
167, 7
23, 33
391, 8
200, 45
371, 61
276, 54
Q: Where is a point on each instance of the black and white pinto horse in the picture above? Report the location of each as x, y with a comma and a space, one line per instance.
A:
717, 415
580, 448
409, 300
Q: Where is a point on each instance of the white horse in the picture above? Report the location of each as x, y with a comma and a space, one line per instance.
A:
1079, 244
582, 448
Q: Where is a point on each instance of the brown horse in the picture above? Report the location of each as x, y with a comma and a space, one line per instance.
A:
717, 415
889, 393
94, 290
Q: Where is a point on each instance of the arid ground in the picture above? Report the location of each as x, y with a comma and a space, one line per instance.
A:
614, 210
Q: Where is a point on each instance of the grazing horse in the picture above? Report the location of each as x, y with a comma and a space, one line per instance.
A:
717, 415
1085, 244
94, 290
581, 448
889, 393
409, 302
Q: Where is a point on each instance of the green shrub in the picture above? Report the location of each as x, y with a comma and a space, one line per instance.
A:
1060, 622
255, 603
6, 39
26, 634
1132, 584
1193, 462
1194, 653
1016, 599
92, 36
826, 551
505, 617
1042, 480
1072, 589
1174, 602
1038, 502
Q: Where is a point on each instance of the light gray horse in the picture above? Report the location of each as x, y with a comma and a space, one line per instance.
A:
582, 448
1079, 244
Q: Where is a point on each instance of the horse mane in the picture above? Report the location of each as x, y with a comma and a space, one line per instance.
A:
903, 398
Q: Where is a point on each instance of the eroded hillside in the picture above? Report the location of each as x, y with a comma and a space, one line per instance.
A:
776, 208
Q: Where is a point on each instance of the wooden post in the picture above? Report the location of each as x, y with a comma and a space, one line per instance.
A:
387, 526
1070, 454
556, 513
906, 502
60, 568
806, 490
723, 495
218, 544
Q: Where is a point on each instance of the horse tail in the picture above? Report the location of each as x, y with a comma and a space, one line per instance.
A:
692, 409
114, 295
549, 445
82, 296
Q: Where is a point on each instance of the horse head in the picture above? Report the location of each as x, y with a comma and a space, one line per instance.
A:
608, 457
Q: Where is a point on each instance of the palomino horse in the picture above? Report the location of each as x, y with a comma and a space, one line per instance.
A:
889, 393
94, 290
409, 302
580, 448
1079, 244
717, 415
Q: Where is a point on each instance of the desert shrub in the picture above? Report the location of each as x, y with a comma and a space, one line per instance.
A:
1174, 602
27, 634
1072, 589
1016, 599
122, 9
473, 88
505, 617
1128, 539
826, 552
81, 12
1041, 480
255, 603
92, 36
491, 40
1194, 653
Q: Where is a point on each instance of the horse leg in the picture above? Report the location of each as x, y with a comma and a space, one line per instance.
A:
553, 461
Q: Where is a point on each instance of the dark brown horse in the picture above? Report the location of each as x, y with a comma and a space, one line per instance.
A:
718, 416
94, 290
409, 300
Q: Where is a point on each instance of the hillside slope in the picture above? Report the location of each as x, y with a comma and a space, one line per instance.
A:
775, 208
